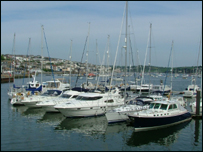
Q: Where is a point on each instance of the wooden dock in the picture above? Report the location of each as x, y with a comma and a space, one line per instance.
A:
6, 80
5, 77
196, 116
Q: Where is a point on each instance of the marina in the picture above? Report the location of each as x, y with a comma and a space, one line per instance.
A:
39, 128
74, 100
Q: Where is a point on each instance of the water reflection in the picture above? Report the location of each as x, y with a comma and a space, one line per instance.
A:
89, 126
19, 108
33, 112
118, 128
165, 136
197, 130
51, 118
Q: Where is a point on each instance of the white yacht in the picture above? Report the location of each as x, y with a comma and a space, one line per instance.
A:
144, 88
190, 91
58, 84
31, 101
193, 106
161, 89
120, 114
90, 104
31, 86
48, 105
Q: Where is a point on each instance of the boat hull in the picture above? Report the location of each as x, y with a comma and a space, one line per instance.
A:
15, 101
49, 108
150, 123
31, 104
82, 112
114, 117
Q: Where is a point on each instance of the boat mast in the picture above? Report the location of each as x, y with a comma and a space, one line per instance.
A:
198, 60
172, 66
87, 54
14, 59
42, 28
107, 61
150, 56
70, 57
126, 32
96, 59
29, 58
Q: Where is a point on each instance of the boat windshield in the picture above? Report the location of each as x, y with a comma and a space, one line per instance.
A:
51, 93
139, 102
66, 96
88, 98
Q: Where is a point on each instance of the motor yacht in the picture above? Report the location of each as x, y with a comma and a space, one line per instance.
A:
120, 114
31, 101
159, 115
48, 105
91, 104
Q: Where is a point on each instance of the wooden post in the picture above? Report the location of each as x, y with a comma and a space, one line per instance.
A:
198, 102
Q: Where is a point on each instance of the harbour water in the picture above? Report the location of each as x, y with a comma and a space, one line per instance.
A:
27, 129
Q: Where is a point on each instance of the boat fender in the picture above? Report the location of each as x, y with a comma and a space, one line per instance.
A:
28, 93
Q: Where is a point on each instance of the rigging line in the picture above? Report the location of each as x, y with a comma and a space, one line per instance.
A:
144, 63
132, 57
49, 57
81, 61
167, 68
26, 62
198, 58
117, 48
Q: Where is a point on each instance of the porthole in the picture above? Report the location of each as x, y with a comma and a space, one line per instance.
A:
78, 108
154, 115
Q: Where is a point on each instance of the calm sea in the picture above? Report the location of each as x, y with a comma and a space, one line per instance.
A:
25, 129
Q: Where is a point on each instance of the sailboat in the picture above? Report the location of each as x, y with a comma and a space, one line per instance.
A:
191, 90
146, 88
119, 114
16, 93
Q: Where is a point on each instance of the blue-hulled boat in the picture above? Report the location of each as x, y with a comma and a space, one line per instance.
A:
160, 114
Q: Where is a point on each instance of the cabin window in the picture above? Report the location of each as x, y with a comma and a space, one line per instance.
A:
175, 106
170, 107
157, 105
151, 105
109, 101
74, 96
163, 107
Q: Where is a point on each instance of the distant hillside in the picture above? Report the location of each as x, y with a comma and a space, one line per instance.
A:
156, 69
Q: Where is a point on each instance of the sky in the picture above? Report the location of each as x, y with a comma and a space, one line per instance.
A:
80, 29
